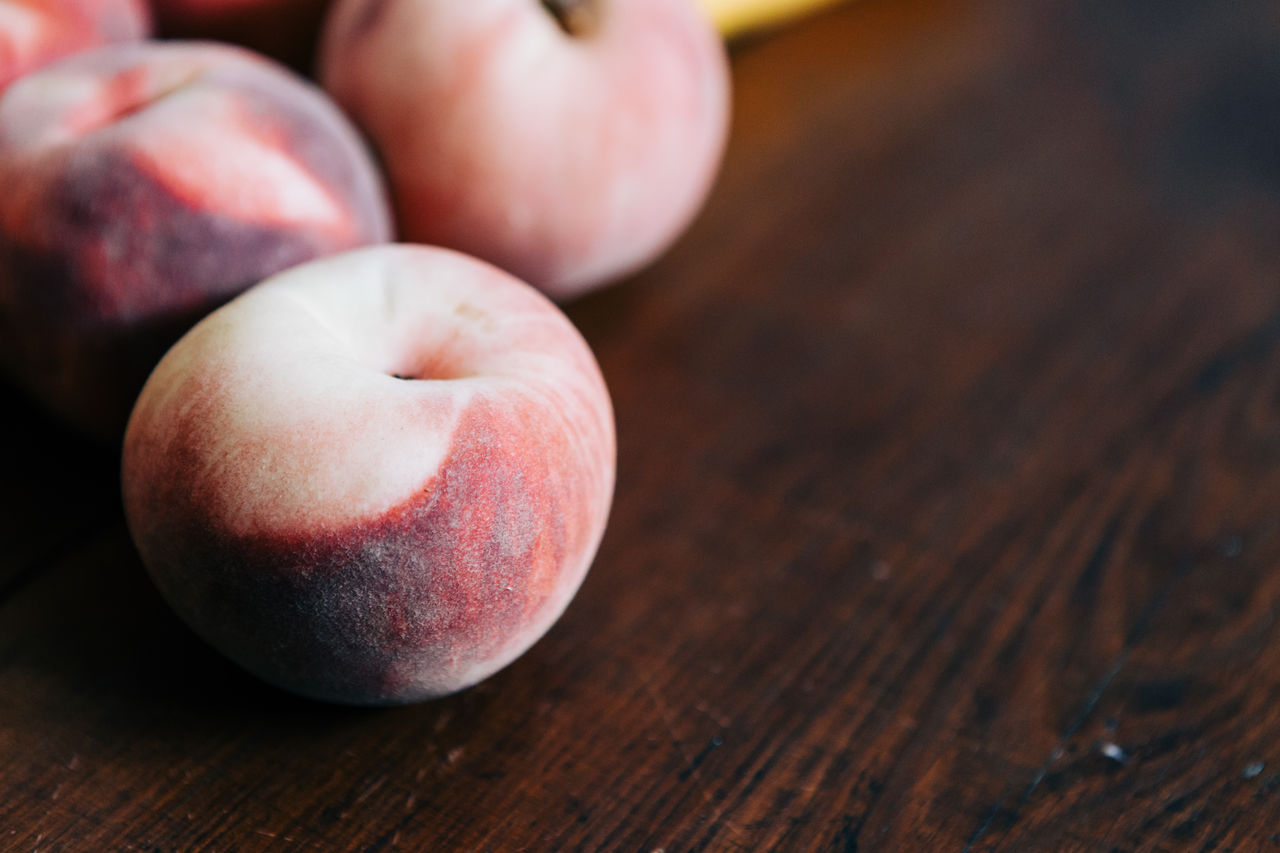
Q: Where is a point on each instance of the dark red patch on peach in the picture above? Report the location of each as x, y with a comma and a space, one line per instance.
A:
445, 582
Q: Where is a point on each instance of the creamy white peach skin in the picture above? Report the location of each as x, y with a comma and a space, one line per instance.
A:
570, 160
375, 478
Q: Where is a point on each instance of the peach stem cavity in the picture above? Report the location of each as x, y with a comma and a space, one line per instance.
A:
578, 18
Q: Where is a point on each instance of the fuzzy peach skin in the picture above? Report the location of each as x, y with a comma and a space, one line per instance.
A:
146, 184
376, 478
568, 141
34, 33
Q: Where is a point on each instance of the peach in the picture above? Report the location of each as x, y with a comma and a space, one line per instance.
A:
375, 478
568, 141
36, 32
146, 184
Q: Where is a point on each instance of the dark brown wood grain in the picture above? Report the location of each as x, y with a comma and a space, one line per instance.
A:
948, 511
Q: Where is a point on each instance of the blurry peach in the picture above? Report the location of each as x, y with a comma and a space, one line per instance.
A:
568, 141
34, 33
146, 184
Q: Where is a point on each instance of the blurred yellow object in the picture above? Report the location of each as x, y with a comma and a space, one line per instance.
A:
733, 17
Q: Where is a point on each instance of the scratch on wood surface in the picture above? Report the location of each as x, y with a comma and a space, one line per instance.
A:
1135, 635
1091, 702
369, 791
664, 714
691, 762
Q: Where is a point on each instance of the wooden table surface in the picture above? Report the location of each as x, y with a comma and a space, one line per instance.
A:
948, 510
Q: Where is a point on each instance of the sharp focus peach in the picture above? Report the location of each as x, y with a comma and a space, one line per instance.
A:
375, 478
